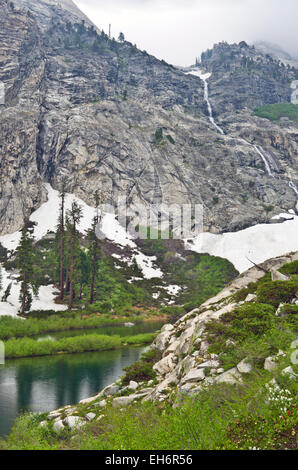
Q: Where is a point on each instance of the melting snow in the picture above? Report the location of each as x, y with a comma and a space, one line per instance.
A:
173, 289
258, 243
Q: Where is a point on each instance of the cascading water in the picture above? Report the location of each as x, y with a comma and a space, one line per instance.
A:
268, 166
204, 77
266, 162
294, 187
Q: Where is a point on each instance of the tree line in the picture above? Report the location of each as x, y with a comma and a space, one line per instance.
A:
77, 266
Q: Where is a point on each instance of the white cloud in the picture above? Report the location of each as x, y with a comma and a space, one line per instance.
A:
179, 30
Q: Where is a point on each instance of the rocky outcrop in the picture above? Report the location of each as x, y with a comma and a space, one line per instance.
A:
103, 114
186, 366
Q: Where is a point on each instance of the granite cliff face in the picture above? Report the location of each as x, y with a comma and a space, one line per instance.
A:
103, 113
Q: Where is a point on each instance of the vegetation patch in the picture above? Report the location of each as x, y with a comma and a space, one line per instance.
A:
143, 369
277, 292
276, 111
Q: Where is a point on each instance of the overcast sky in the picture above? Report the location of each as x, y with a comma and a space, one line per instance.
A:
179, 30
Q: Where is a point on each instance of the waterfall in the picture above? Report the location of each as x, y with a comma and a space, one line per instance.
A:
270, 166
266, 162
204, 77
294, 187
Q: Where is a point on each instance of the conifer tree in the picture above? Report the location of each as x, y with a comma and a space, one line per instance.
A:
61, 235
25, 265
95, 245
121, 37
73, 219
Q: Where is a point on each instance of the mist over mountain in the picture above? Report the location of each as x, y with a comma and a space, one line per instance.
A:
179, 30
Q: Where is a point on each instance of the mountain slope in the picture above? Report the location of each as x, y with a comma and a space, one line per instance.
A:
103, 113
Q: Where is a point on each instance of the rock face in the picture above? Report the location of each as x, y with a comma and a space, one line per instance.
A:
105, 115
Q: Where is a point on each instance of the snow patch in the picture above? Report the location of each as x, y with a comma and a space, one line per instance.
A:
258, 243
46, 218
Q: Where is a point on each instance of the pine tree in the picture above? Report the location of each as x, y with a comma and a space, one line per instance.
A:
95, 245
73, 219
62, 234
25, 265
121, 37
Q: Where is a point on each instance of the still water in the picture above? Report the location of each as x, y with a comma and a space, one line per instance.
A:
47, 383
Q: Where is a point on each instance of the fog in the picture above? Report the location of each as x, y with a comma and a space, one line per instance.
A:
179, 30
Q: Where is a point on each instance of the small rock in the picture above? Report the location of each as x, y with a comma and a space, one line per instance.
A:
270, 363
123, 401
210, 363
43, 424
204, 347
110, 390
250, 298
133, 385
244, 367
194, 375
53, 415
58, 425
74, 422
290, 372
90, 416
165, 365
231, 376
277, 276
88, 400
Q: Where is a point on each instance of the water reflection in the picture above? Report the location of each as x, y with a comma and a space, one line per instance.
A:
44, 384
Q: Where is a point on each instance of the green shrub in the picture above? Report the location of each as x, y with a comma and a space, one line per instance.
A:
277, 292
143, 369
290, 268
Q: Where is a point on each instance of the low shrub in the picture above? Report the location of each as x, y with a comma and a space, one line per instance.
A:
277, 292
143, 369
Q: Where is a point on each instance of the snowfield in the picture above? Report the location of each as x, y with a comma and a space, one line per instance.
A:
258, 243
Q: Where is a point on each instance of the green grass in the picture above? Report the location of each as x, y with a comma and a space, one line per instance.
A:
144, 338
17, 328
27, 347
275, 111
